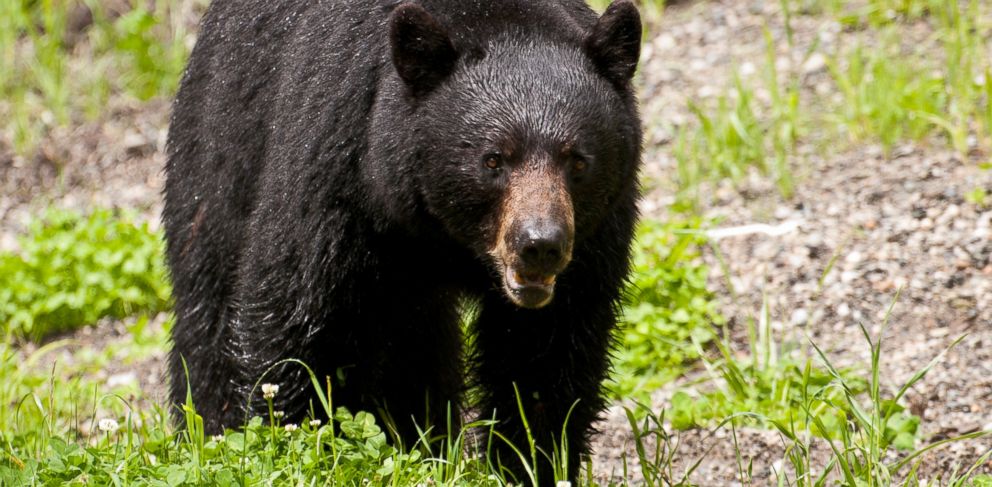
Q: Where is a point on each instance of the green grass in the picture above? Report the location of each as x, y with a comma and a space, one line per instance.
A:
891, 95
43, 444
45, 440
46, 81
72, 270
669, 314
57, 425
782, 388
886, 98
872, 439
736, 134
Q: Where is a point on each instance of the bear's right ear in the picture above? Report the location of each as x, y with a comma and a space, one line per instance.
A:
615, 42
423, 54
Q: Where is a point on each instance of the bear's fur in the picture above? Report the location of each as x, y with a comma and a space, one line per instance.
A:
342, 175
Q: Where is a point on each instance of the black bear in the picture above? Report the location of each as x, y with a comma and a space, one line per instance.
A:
343, 176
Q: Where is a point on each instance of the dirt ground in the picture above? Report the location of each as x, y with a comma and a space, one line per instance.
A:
894, 221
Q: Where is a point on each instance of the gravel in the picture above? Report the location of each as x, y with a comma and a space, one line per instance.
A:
898, 225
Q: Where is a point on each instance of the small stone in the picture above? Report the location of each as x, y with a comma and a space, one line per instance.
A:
665, 42
134, 141
799, 317
782, 64
123, 379
884, 285
815, 63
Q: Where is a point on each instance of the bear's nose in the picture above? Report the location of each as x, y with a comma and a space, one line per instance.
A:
542, 247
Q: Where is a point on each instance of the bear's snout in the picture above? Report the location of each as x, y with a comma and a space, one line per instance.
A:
541, 247
536, 235
539, 250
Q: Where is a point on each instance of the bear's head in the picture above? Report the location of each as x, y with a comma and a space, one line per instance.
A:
528, 139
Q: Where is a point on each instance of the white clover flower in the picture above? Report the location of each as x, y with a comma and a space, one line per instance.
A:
217, 438
278, 414
563, 483
108, 425
290, 427
269, 390
315, 423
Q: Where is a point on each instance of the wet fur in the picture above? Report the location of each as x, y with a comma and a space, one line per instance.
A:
309, 214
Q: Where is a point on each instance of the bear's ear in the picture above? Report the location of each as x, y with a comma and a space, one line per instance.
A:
615, 42
422, 50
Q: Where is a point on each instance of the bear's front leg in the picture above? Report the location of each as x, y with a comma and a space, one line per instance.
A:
553, 361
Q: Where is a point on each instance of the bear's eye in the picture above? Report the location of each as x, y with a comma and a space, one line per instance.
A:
579, 165
493, 161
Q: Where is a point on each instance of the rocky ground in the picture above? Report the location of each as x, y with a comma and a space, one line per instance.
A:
896, 221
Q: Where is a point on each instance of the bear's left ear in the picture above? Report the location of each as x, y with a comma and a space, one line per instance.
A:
615, 42
422, 50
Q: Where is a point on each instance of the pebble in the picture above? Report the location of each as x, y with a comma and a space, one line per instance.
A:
799, 317
665, 42
815, 63
122, 379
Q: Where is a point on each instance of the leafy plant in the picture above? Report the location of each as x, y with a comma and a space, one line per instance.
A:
152, 63
862, 423
50, 435
669, 312
73, 270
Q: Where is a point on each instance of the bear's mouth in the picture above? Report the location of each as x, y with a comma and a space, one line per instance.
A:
528, 290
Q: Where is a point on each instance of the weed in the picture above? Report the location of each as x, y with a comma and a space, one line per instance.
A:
893, 95
857, 418
73, 270
772, 387
668, 308
885, 97
737, 135
728, 141
48, 80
